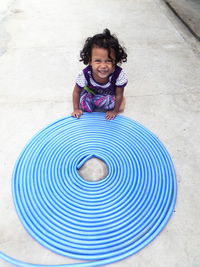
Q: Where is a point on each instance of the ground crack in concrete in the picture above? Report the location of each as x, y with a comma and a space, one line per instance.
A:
4, 35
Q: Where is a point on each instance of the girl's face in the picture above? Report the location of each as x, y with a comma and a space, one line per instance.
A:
102, 65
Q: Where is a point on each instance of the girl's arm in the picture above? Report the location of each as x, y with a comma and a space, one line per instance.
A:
111, 114
77, 112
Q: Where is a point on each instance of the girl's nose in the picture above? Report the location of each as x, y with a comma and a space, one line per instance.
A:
103, 64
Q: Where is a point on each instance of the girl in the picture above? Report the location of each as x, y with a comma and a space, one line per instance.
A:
101, 84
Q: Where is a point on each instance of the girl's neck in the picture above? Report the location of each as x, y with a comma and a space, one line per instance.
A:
100, 80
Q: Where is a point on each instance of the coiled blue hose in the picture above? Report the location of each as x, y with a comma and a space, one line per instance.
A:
104, 221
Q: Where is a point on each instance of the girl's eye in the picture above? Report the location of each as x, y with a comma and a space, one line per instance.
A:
108, 61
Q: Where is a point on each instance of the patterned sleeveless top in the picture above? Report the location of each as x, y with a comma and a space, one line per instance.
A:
117, 79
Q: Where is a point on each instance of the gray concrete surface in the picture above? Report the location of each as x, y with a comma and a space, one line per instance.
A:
189, 13
39, 49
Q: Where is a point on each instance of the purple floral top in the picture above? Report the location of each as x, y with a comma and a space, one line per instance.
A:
117, 79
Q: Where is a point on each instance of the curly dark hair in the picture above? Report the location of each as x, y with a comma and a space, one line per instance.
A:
103, 40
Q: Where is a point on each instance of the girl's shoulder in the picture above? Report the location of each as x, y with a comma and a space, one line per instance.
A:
121, 78
87, 70
83, 77
117, 72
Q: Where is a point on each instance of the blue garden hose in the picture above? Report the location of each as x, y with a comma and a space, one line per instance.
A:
99, 222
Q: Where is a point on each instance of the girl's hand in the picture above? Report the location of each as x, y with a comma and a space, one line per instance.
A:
111, 114
77, 113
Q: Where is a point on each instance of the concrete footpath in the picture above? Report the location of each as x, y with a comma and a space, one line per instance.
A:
39, 61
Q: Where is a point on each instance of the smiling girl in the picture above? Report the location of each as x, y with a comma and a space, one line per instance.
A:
101, 84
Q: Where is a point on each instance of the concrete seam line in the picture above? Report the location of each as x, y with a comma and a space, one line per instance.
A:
182, 20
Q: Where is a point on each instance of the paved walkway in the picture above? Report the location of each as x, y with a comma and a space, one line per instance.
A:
39, 52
